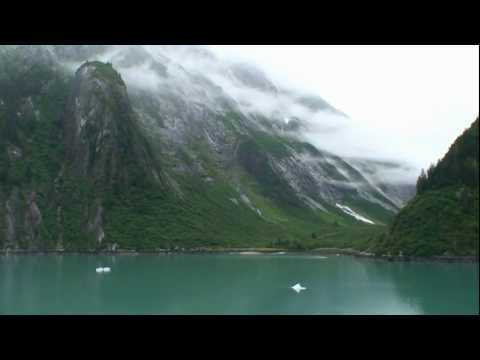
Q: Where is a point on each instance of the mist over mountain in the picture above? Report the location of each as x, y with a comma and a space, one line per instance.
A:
199, 76
121, 143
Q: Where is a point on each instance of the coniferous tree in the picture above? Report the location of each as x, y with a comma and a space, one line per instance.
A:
443, 218
421, 182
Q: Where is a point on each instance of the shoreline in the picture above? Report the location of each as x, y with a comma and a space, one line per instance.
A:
250, 251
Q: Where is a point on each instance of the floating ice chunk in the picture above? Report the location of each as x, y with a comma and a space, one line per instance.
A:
298, 288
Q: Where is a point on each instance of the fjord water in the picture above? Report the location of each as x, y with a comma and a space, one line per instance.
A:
233, 284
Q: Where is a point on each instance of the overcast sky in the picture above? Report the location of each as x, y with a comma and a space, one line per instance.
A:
405, 102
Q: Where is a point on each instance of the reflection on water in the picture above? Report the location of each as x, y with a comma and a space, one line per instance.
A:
444, 286
233, 284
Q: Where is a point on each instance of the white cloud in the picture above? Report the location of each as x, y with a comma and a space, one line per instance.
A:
405, 102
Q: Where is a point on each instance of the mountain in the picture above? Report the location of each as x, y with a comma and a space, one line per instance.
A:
442, 219
143, 147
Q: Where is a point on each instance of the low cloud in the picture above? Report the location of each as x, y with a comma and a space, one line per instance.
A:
199, 76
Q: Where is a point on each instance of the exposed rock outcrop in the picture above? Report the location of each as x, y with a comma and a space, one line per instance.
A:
33, 220
101, 138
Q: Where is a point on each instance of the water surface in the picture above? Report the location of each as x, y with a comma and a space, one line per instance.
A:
233, 284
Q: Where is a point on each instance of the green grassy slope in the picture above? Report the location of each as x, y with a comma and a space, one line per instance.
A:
141, 214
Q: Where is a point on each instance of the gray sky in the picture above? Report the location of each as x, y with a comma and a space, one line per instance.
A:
405, 102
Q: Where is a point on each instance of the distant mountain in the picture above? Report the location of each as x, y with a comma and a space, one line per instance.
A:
442, 219
138, 147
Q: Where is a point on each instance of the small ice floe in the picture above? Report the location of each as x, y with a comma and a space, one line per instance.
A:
102, 269
298, 288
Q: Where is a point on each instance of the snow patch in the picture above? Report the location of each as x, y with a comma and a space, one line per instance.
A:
350, 212
246, 200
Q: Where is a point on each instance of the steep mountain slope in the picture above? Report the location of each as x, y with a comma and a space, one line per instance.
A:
66, 145
387, 177
188, 85
442, 219
166, 153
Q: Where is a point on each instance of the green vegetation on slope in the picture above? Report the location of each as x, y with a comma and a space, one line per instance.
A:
31, 147
105, 71
438, 222
140, 213
443, 217
458, 167
146, 219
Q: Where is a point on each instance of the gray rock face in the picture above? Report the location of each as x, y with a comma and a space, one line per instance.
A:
12, 218
384, 176
189, 107
23, 220
100, 127
60, 221
33, 220
95, 225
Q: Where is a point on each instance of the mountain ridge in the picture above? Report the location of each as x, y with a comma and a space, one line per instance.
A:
197, 164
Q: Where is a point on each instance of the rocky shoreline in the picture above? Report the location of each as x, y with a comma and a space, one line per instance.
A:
248, 251
357, 253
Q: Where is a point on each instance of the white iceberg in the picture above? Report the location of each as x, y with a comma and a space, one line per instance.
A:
298, 288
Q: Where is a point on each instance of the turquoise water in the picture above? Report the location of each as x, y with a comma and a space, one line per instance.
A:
233, 284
